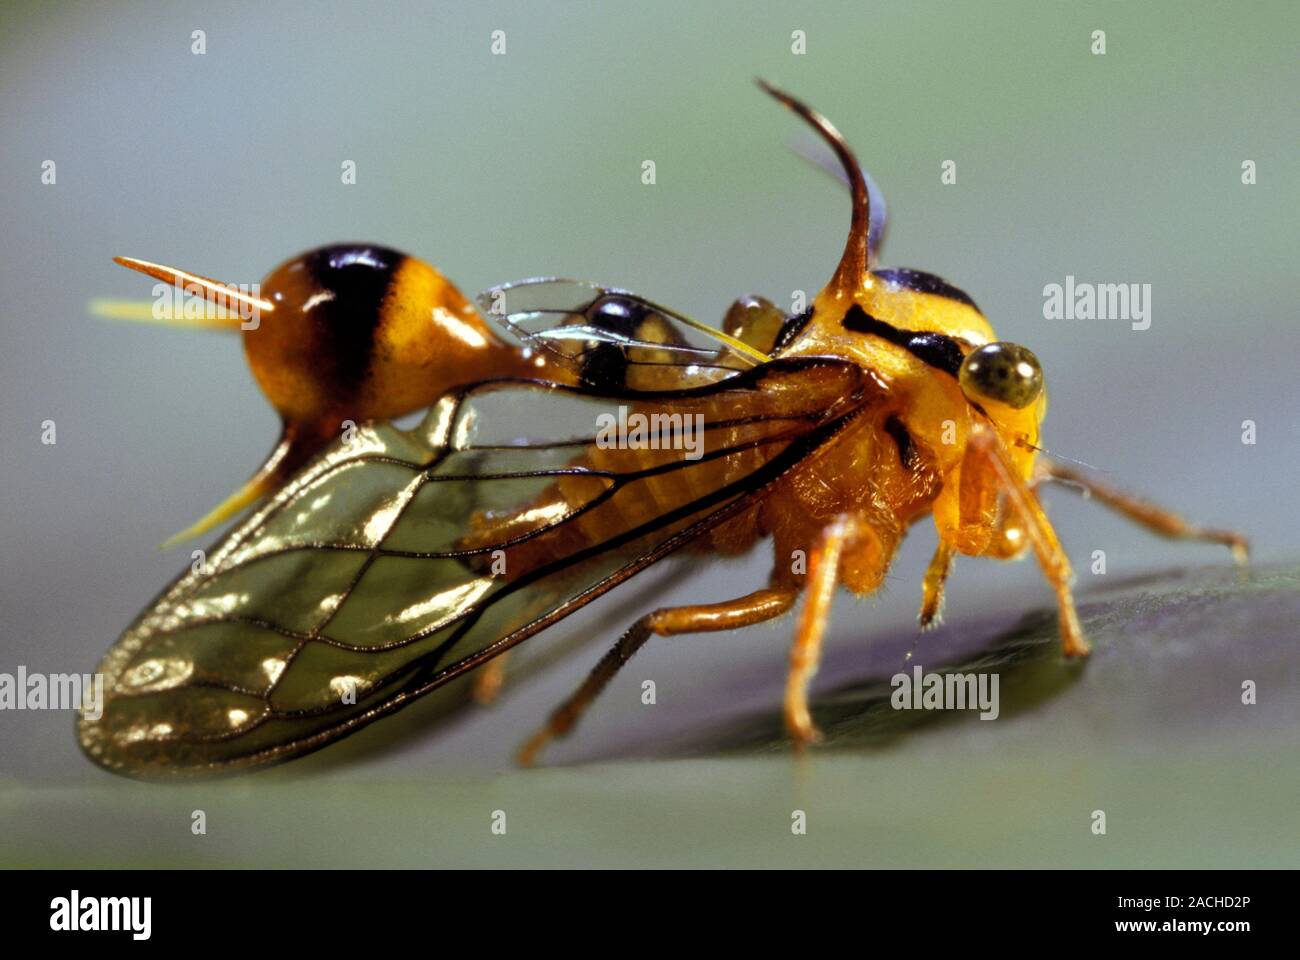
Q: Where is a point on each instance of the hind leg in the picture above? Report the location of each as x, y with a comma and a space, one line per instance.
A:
744, 611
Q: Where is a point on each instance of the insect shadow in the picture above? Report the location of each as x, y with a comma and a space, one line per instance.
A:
854, 712
858, 714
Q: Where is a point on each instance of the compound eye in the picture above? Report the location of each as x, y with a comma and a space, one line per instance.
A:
1005, 372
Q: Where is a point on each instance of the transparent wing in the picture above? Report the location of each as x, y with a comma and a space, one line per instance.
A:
814, 150
398, 561
615, 339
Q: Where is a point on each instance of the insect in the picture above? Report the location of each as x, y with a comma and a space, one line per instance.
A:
393, 562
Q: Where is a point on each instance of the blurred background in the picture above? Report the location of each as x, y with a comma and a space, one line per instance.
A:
1119, 168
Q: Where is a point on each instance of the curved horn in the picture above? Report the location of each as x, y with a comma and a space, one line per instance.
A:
855, 261
875, 197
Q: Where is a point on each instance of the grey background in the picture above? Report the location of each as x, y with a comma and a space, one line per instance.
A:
1122, 168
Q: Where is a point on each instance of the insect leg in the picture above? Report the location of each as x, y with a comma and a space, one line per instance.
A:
703, 618
1051, 556
1009, 542
805, 654
1158, 520
936, 575
489, 679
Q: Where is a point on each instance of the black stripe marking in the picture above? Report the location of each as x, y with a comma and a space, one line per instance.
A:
791, 329
359, 278
605, 364
604, 367
906, 449
923, 282
935, 349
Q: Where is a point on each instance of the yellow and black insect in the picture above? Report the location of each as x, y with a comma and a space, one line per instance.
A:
384, 565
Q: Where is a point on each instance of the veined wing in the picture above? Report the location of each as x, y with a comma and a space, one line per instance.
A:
399, 560
614, 339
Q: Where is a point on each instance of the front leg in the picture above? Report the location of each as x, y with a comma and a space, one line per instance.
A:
1158, 520
1029, 516
936, 577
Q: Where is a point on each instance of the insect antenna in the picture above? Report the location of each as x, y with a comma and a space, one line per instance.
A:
854, 263
1057, 456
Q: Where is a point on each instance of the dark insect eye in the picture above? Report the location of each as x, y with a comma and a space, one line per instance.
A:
1005, 372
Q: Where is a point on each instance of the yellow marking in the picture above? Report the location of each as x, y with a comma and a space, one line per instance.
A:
740, 346
149, 311
246, 495
459, 329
